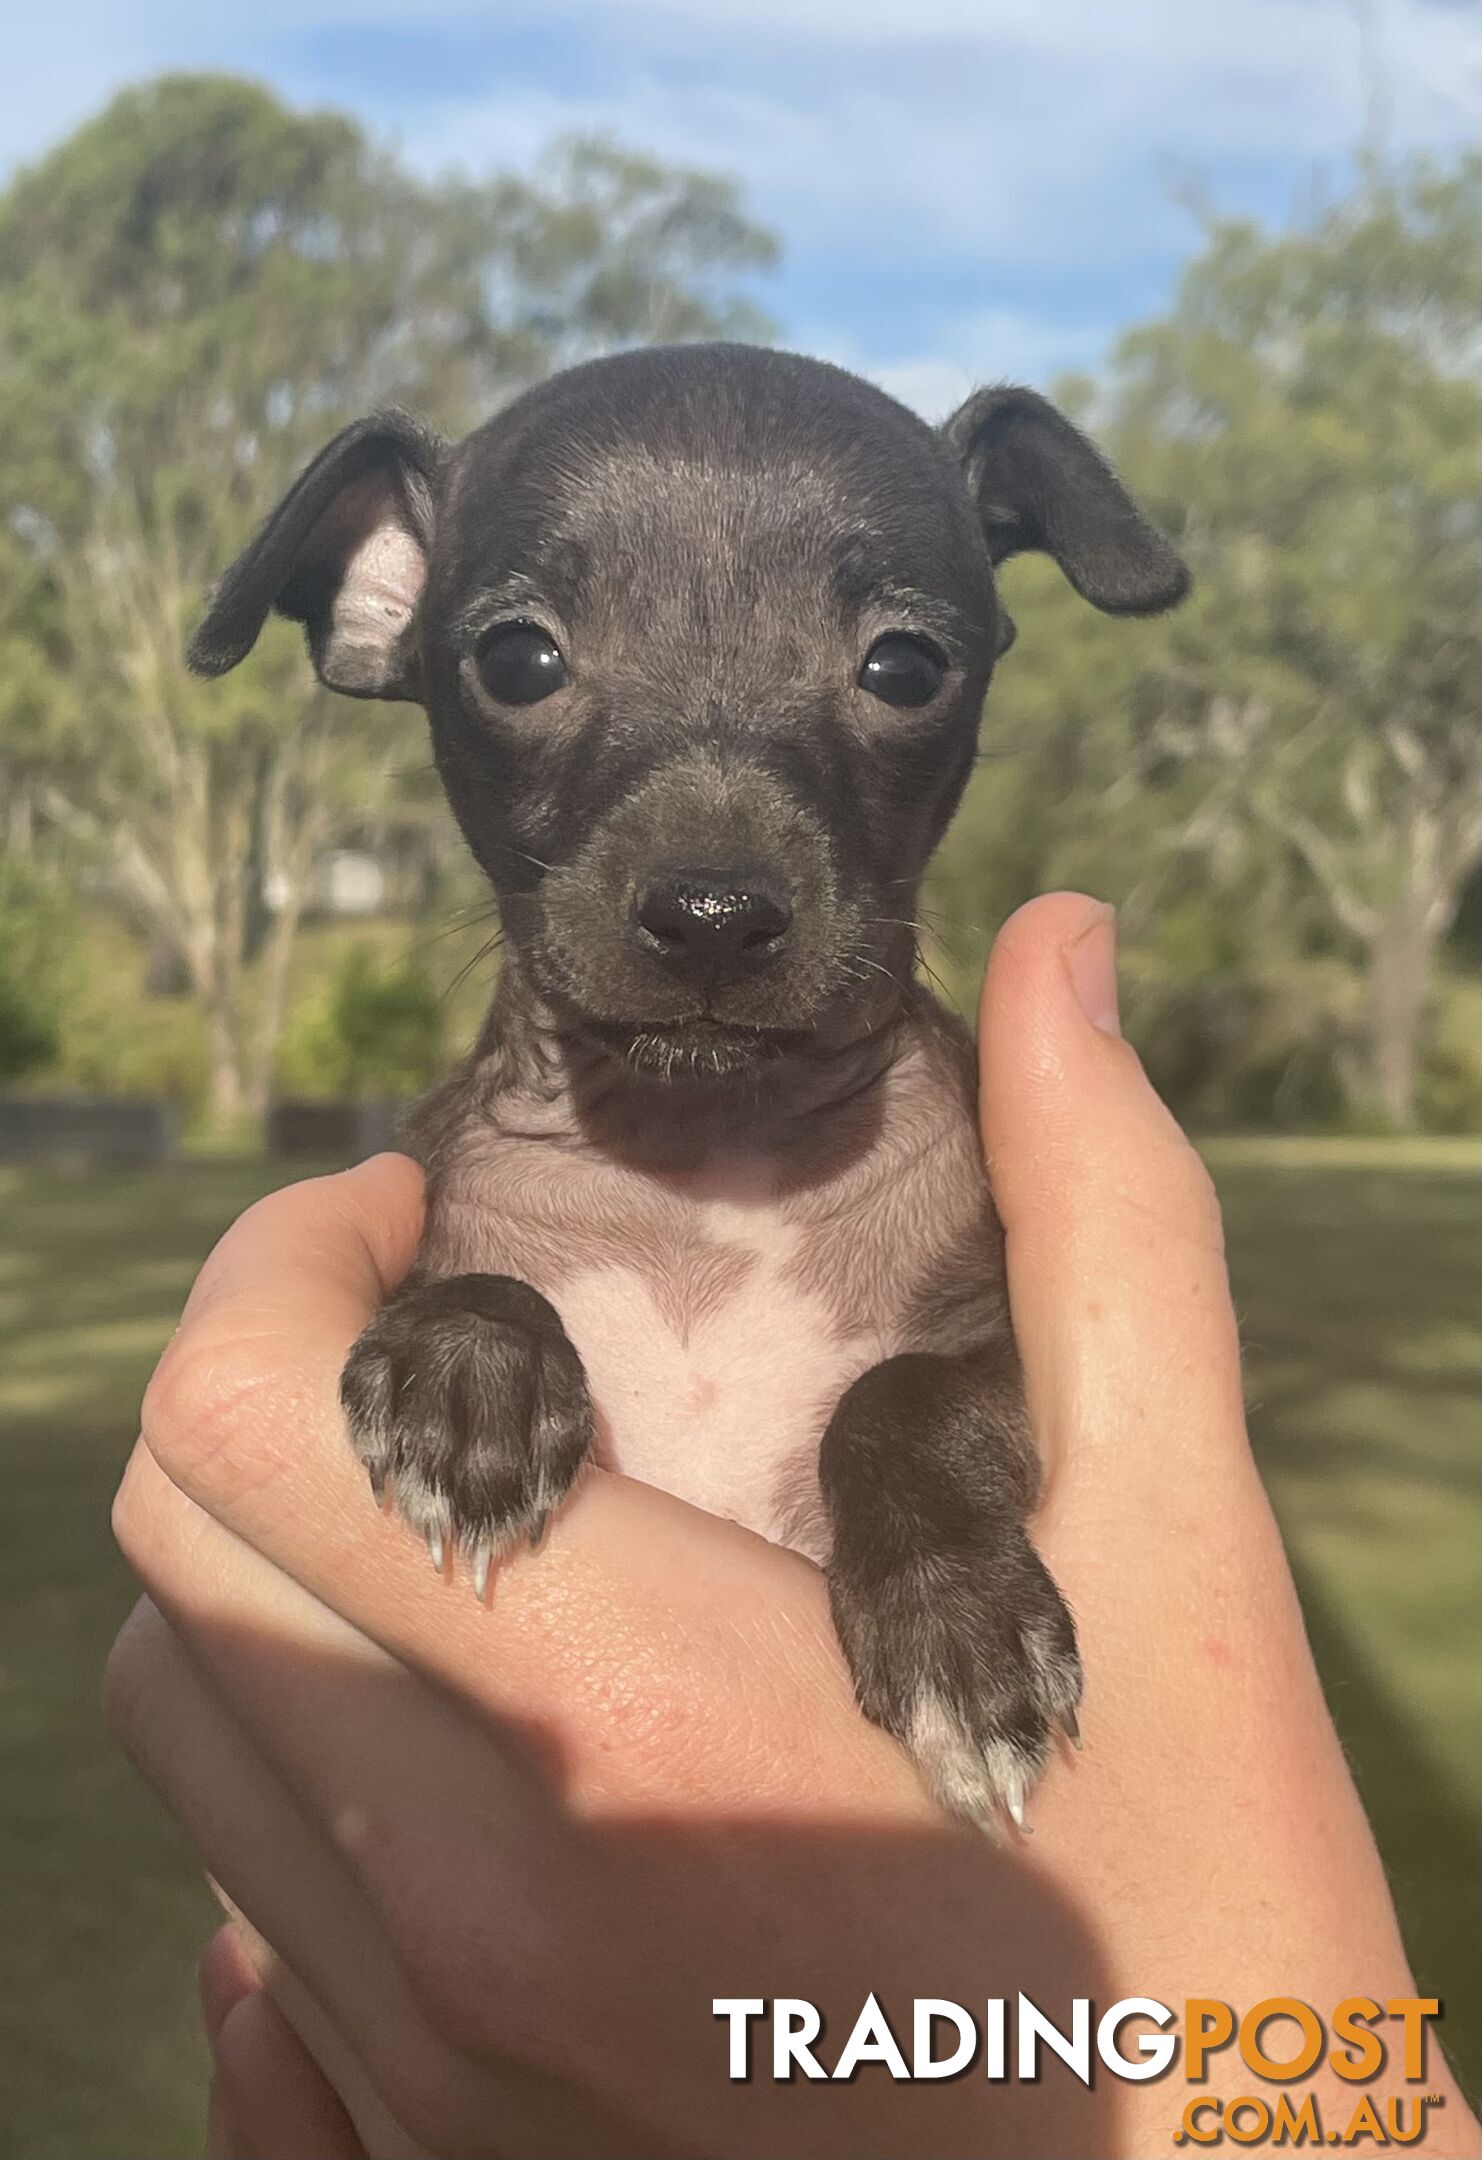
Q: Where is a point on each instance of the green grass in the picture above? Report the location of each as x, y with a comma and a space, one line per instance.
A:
1356, 1277
1355, 1265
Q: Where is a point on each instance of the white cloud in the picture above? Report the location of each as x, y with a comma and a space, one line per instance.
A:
1002, 130
987, 118
989, 138
931, 387
989, 345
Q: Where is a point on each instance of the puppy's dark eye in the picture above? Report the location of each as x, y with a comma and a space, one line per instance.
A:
518, 664
903, 670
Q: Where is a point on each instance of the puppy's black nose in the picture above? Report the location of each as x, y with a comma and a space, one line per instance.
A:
711, 928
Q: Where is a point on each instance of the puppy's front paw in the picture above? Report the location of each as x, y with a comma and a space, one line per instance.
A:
467, 1402
969, 1657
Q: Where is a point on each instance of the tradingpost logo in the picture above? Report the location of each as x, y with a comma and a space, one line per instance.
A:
1361, 2040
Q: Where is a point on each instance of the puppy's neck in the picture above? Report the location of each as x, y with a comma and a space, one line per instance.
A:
544, 1080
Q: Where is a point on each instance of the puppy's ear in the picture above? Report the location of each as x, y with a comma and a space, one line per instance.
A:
1039, 484
345, 554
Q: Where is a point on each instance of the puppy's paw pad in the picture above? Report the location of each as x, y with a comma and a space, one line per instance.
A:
468, 1405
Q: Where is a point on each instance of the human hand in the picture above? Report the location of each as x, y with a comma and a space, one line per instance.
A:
495, 1864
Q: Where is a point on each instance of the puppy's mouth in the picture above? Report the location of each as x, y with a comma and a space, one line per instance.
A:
703, 1048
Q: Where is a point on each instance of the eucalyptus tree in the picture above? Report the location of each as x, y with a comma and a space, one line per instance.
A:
196, 289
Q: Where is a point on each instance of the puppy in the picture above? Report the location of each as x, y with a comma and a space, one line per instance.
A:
703, 636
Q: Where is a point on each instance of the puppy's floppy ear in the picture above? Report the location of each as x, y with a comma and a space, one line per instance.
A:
1039, 484
345, 554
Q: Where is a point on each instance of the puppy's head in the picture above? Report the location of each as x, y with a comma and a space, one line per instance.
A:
703, 636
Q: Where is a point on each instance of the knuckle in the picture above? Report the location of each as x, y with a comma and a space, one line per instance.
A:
129, 1519
197, 1402
146, 1527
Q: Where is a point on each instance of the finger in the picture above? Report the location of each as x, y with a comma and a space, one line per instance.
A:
1156, 1524
380, 2134
278, 2102
516, 1927
352, 1234
418, 1803
1115, 1246
619, 1610
223, 2136
257, 1844
224, 1976
294, 1888
318, 1257
236, 1963
382, 2137
639, 1614
1120, 1296
415, 1799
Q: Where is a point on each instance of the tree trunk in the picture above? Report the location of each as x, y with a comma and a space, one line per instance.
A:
216, 973
224, 1098
277, 957
1400, 957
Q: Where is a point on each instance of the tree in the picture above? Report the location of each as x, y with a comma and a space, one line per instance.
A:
37, 927
1313, 404
196, 289
1287, 773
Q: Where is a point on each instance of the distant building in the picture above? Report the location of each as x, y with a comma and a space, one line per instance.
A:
346, 881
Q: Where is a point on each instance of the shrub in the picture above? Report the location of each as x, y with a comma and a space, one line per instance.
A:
1450, 1092
38, 944
377, 1029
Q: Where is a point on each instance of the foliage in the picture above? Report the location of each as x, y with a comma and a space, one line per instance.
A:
1280, 786
196, 289
379, 1030
1450, 1082
1293, 762
37, 924
112, 1036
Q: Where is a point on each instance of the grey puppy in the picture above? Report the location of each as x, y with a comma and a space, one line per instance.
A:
703, 636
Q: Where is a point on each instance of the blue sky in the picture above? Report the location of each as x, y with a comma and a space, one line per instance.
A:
965, 189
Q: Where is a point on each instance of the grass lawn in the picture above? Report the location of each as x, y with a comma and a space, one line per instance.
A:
1356, 1275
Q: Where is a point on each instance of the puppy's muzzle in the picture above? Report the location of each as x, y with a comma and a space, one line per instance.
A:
709, 928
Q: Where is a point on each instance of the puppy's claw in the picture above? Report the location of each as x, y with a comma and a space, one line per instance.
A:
479, 1567
435, 1550
1072, 1725
1013, 1800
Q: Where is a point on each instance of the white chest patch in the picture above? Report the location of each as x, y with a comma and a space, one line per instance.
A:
721, 1399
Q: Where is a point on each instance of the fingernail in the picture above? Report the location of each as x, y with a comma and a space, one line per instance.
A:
1091, 957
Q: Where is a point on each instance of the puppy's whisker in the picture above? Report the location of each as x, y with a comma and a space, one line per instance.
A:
935, 917
485, 952
934, 979
416, 946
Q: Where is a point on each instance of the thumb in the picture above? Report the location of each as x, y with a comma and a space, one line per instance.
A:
1115, 1252
1156, 1523
1218, 1781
